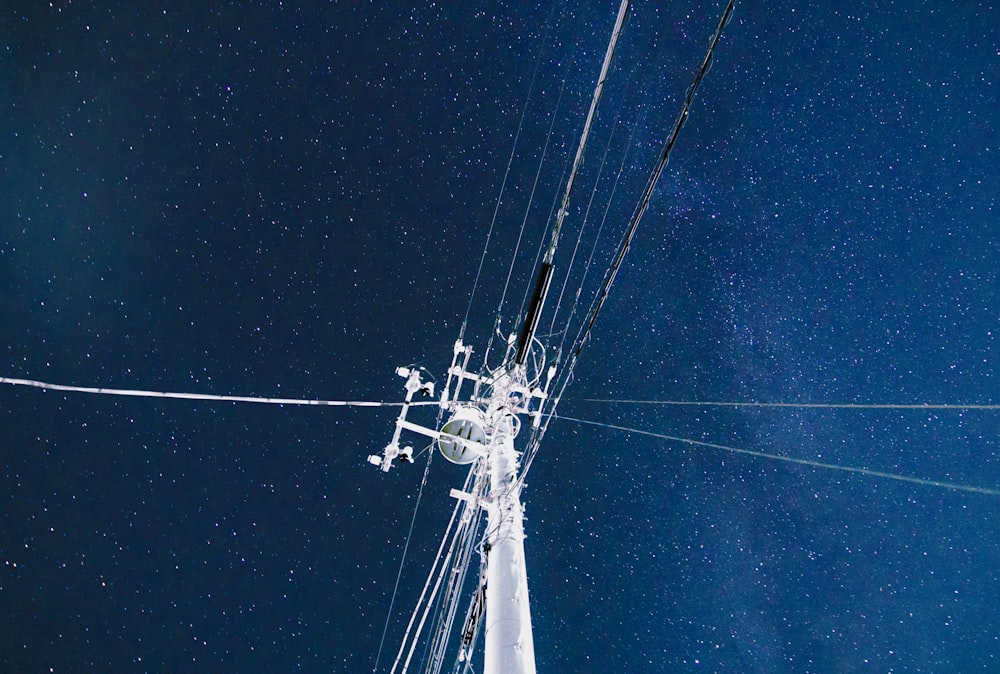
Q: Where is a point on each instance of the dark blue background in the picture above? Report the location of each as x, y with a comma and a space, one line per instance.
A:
290, 200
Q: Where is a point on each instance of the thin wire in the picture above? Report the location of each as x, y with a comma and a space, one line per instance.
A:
590, 203
205, 396
437, 558
849, 406
527, 211
434, 599
594, 100
402, 562
423, 618
534, 186
987, 491
510, 161
445, 619
552, 211
566, 373
597, 238
654, 177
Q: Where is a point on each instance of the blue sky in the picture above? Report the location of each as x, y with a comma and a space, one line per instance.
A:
291, 200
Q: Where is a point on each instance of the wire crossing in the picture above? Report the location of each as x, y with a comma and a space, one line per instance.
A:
565, 374
654, 177
987, 491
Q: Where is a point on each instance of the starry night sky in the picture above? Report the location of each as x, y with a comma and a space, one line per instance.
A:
290, 199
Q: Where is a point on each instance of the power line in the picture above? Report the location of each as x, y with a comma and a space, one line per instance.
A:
643, 204
402, 560
595, 99
847, 406
503, 184
204, 396
565, 374
987, 491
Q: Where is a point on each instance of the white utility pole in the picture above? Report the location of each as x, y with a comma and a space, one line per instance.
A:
510, 647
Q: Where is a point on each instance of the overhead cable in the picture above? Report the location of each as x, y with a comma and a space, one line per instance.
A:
986, 491
205, 396
578, 160
566, 371
835, 406
668, 146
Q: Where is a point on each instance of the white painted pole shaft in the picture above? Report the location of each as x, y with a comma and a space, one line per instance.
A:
510, 647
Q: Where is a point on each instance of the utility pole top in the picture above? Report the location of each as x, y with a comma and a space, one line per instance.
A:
484, 419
